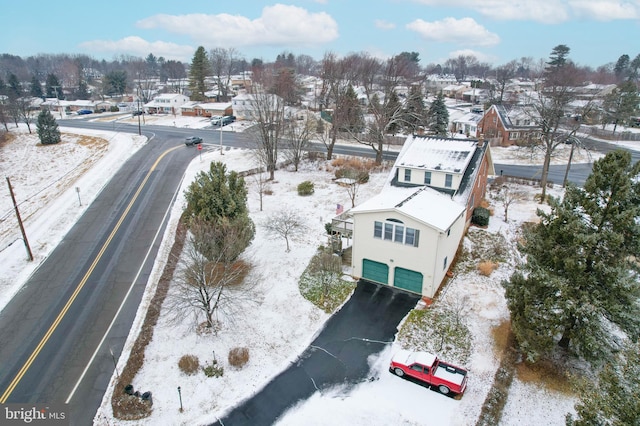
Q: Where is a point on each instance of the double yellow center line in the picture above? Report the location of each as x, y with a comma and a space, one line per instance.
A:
72, 298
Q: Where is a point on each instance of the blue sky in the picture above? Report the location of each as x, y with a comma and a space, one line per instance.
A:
495, 31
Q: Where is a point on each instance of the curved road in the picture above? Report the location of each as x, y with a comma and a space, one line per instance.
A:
58, 332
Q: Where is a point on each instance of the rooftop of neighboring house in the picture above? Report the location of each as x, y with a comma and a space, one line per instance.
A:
516, 117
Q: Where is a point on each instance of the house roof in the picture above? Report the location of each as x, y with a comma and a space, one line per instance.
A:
415, 203
426, 153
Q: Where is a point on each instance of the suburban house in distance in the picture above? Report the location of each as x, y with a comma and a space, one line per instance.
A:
407, 235
166, 103
206, 109
503, 127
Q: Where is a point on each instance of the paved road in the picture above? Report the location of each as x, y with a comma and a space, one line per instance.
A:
51, 329
364, 325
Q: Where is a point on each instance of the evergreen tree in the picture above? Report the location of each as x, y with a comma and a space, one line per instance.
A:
621, 104
621, 69
3, 87
197, 74
83, 90
348, 113
36, 88
219, 199
47, 128
580, 276
14, 89
615, 400
115, 83
438, 117
391, 108
415, 110
52, 87
216, 194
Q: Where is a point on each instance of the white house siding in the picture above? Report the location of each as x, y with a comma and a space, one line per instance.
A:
438, 177
438, 239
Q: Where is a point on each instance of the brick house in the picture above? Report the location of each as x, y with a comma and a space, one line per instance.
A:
506, 127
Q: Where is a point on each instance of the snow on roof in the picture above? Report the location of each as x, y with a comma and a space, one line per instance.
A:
414, 202
436, 154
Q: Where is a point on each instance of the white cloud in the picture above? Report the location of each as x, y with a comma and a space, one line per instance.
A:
546, 11
461, 31
278, 25
384, 25
481, 57
138, 46
606, 10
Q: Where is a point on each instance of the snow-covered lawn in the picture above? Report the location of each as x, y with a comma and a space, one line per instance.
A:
277, 323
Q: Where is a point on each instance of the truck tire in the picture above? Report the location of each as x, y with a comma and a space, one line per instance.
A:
444, 390
399, 372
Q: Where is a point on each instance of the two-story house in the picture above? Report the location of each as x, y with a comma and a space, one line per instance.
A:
506, 127
166, 103
407, 236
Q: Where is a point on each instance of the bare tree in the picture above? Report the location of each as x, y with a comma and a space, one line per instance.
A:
208, 283
507, 195
286, 224
337, 76
267, 110
553, 97
262, 185
351, 179
297, 135
222, 62
385, 112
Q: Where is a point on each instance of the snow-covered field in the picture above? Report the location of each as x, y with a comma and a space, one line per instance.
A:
278, 323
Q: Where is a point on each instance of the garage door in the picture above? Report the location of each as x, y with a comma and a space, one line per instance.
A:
375, 271
408, 280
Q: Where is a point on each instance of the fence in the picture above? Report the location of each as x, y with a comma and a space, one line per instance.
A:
609, 135
502, 179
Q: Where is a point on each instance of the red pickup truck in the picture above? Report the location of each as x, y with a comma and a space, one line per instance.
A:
427, 368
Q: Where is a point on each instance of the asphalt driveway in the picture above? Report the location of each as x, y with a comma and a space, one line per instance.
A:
364, 326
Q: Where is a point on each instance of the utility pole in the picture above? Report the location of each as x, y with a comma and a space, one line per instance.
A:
24, 234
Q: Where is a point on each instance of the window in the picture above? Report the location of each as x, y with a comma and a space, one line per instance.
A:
427, 178
417, 367
388, 231
394, 230
377, 229
399, 234
448, 180
407, 175
514, 135
444, 265
411, 237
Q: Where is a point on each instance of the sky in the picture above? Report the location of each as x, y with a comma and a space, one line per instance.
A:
598, 32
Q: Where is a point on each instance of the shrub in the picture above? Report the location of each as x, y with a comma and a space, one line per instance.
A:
486, 267
480, 216
306, 188
189, 364
213, 370
238, 357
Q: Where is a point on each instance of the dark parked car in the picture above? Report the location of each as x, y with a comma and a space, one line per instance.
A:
216, 120
84, 111
192, 140
134, 113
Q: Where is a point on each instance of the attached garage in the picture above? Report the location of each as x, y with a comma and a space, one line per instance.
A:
407, 280
375, 271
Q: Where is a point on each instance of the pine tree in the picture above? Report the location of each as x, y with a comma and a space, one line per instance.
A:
616, 398
14, 89
36, 88
197, 73
415, 110
438, 116
52, 87
348, 113
579, 279
219, 199
47, 128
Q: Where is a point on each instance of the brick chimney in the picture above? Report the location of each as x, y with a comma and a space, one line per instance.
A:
481, 141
